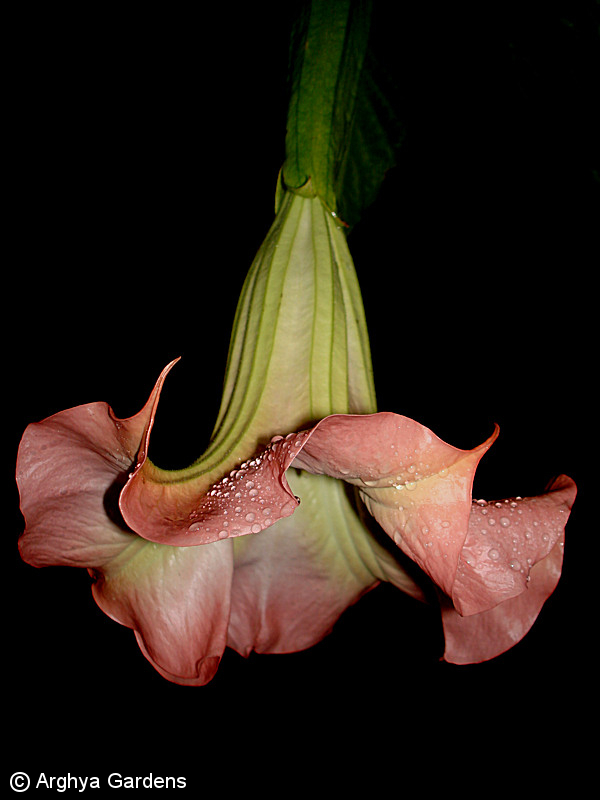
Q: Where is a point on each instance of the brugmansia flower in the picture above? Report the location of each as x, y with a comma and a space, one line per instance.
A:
262, 543
267, 538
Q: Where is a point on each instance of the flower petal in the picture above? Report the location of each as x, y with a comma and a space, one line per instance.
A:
186, 513
415, 485
292, 582
527, 556
70, 469
505, 540
371, 451
177, 601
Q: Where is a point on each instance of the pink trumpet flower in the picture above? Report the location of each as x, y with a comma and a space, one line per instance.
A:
259, 545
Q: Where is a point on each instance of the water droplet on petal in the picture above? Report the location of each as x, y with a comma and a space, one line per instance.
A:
250, 517
505, 522
494, 554
194, 527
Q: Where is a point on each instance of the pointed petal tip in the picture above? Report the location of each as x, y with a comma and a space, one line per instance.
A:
565, 484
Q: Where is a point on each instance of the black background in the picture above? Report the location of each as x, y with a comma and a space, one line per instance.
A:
144, 154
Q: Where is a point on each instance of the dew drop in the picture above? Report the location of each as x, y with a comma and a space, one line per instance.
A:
253, 492
515, 564
505, 522
491, 521
250, 485
223, 534
256, 528
194, 527
494, 554
250, 517
266, 511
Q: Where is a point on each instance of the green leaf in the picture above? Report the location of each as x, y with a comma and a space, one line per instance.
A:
377, 134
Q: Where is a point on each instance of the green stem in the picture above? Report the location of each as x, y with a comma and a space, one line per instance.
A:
329, 45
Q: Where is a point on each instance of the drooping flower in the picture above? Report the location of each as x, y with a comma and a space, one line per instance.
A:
223, 553
261, 543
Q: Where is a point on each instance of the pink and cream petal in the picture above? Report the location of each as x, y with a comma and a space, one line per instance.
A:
530, 546
70, 470
506, 539
176, 599
172, 508
415, 485
484, 636
292, 582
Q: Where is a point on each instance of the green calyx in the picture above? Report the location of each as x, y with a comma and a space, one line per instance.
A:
299, 349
